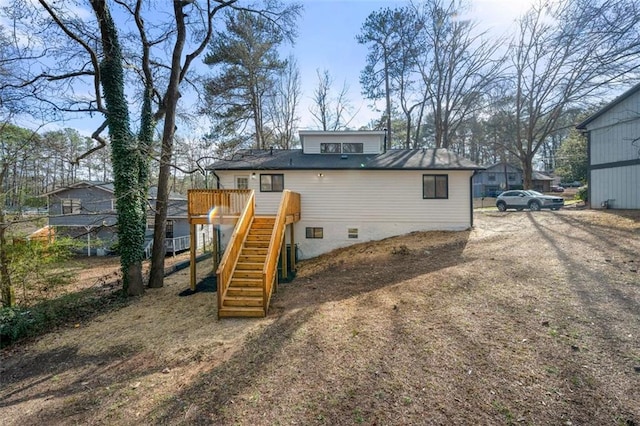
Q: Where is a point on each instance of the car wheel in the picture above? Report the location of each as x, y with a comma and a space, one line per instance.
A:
534, 206
502, 207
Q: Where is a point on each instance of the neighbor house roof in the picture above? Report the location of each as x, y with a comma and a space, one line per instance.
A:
609, 106
105, 186
108, 187
295, 159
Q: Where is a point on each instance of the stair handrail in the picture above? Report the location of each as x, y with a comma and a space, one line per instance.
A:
234, 247
275, 245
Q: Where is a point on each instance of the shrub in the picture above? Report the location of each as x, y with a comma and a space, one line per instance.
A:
583, 193
21, 322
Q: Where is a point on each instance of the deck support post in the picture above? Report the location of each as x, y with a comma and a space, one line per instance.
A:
192, 252
293, 250
283, 257
214, 248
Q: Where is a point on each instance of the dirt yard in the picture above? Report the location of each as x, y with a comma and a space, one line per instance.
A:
530, 318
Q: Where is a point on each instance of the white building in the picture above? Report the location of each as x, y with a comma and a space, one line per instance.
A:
353, 190
614, 153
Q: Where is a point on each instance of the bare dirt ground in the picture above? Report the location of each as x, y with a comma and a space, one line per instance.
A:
530, 318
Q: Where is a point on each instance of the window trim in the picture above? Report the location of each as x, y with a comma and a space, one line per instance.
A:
271, 175
435, 187
74, 205
358, 145
314, 232
324, 145
239, 177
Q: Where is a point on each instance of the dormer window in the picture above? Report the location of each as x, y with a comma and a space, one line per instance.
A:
330, 148
352, 148
338, 148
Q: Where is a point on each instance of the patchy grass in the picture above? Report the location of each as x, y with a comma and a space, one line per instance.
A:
530, 318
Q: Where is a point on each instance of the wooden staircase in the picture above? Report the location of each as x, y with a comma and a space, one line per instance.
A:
244, 296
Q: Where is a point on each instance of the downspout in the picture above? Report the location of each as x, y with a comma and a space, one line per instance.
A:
475, 172
588, 134
217, 179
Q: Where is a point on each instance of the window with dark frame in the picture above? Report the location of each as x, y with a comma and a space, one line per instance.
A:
71, 206
435, 186
314, 232
512, 176
271, 182
352, 232
330, 148
352, 148
491, 177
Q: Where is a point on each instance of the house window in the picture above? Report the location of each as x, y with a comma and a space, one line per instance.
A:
330, 148
491, 177
352, 232
242, 182
512, 177
71, 206
435, 186
352, 148
150, 224
314, 232
272, 183
169, 229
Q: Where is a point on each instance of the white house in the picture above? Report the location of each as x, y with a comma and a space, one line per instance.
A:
353, 190
613, 135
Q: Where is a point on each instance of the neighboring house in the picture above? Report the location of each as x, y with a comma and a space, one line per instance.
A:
502, 176
495, 179
352, 190
613, 136
87, 211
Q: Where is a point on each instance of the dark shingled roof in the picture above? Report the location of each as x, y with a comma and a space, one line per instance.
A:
294, 159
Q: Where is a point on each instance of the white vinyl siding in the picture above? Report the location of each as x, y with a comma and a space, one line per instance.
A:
379, 204
371, 144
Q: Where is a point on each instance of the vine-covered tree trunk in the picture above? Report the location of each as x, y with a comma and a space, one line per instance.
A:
125, 156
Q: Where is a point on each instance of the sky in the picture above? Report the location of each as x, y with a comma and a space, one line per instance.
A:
327, 40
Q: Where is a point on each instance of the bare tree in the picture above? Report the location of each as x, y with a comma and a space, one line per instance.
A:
330, 110
563, 56
282, 106
458, 65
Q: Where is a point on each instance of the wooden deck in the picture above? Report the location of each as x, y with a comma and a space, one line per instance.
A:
248, 270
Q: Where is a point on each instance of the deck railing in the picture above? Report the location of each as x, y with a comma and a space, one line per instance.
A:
228, 201
289, 208
234, 247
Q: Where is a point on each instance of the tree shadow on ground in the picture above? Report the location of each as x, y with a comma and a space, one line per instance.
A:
31, 371
292, 307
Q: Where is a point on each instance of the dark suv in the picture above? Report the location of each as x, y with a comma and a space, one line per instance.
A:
532, 200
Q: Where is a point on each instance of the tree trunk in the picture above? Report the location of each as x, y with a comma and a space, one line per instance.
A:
125, 155
7, 293
156, 277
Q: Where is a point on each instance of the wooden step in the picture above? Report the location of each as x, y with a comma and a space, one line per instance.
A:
240, 273
234, 291
252, 258
257, 244
254, 250
247, 301
260, 231
239, 311
250, 266
246, 282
